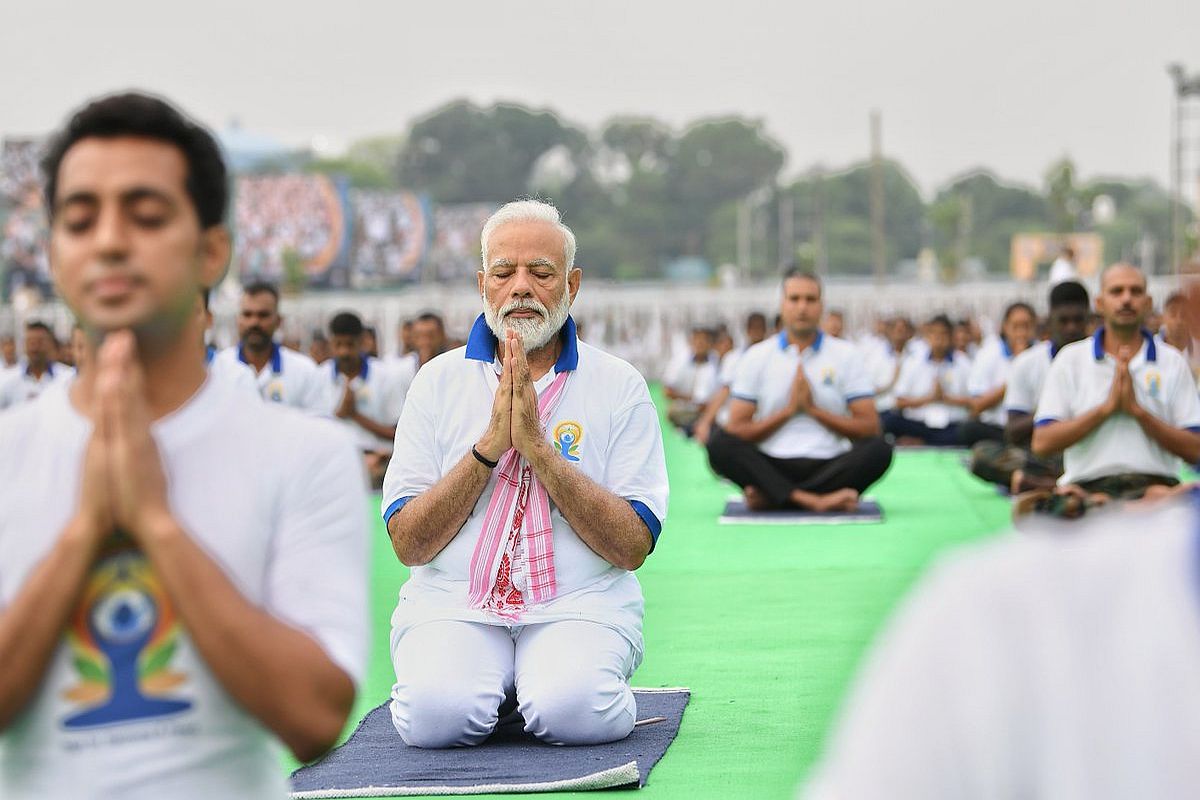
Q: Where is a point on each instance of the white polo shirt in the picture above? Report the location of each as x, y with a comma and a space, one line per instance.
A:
1081, 378
379, 391
990, 370
1026, 377
917, 376
605, 424
725, 377
697, 380
836, 374
128, 707
881, 362
239, 374
1047, 664
289, 378
18, 385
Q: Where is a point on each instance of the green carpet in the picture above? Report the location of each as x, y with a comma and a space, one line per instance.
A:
765, 624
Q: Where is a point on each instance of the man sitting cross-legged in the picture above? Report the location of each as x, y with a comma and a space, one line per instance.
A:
802, 428
1011, 463
528, 482
1122, 409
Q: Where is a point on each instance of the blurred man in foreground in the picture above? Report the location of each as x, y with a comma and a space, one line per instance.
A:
182, 572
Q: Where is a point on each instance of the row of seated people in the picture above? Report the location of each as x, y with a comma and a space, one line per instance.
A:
803, 418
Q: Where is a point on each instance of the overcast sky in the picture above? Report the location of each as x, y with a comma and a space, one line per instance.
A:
1010, 85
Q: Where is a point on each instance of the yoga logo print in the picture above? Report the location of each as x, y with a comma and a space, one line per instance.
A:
122, 637
567, 436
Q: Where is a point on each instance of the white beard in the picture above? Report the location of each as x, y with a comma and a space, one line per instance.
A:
535, 332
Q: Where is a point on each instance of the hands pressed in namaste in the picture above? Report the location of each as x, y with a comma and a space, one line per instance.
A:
514, 422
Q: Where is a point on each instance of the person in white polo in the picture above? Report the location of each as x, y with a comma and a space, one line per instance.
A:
1122, 409
931, 391
365, 393
1011, 463
528, 483
802, 429
716, 410
284, 375
989, 375
38, 372
182, 572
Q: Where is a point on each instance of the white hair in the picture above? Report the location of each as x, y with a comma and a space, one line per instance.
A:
529, 211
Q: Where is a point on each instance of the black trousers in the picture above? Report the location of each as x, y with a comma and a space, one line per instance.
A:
899, 425
744, 464
974, 431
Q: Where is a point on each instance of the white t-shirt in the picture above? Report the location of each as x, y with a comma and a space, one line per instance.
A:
1026, 377
696, 380
1080, 378
128, 707
917, 376
605, 424
835, 372
289, 378
990, 370
1052, 664
18, 386
379, 391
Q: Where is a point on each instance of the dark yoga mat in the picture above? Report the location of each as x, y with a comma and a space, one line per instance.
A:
736, 513
374, 762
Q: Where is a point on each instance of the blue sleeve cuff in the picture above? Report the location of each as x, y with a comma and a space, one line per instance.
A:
394, 507
1192, 429
743, 397
1043, 422
1012, 410
652, 522
865, 396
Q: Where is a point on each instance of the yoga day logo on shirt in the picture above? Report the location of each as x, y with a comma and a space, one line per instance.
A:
122, 637
275, 391
827, 376
567, 436
1153, 383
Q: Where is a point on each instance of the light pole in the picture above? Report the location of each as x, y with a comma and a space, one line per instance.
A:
1185, 87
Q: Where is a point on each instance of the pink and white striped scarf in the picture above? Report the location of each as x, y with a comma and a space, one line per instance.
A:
537, 531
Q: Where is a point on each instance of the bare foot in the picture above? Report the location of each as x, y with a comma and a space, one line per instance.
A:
755, 499
841, 500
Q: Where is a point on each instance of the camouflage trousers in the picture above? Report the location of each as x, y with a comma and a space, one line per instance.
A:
996, 462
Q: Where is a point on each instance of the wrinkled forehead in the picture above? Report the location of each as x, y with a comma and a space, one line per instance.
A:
526, 243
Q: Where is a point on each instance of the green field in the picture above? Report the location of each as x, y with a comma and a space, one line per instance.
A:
764, 624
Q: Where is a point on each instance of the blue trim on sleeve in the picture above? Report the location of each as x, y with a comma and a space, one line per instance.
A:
1192, 429
394, 507
1044, 421
744, 398
854, 397
1015, 410
652, 522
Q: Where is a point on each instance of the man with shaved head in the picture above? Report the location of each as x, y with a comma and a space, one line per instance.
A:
1121, 408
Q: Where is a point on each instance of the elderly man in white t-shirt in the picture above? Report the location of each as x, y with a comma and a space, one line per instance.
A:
182, 572
802, 430
1122, 409
528, 483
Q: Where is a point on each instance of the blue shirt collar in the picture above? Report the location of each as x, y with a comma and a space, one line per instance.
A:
949, 356
1004, 348
364, 366
49, 369
815, 346
1098, 345
276, 358
210, 353
481, 344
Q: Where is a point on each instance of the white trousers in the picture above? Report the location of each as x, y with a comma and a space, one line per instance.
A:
570, 680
